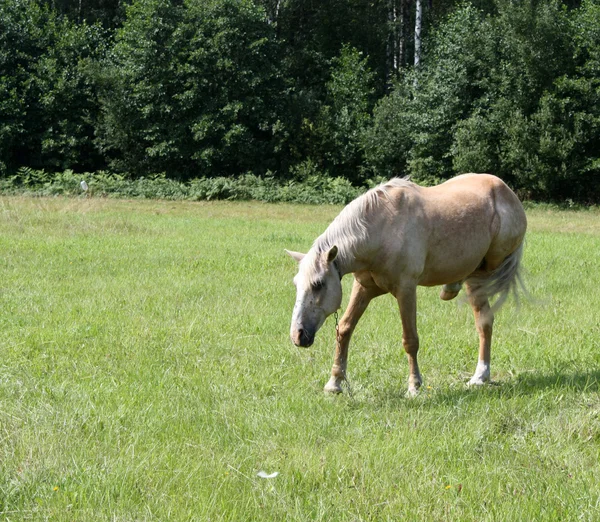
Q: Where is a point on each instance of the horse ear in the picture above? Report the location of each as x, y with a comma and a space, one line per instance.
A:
296, 255
332, 254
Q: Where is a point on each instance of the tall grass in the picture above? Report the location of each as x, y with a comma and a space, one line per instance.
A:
147, 374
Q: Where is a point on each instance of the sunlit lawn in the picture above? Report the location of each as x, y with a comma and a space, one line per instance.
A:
146, 374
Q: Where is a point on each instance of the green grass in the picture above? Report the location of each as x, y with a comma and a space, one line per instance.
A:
146, 374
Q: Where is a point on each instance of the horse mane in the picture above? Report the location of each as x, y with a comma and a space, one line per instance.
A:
350, 226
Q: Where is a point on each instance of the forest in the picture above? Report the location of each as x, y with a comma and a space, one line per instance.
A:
358, 90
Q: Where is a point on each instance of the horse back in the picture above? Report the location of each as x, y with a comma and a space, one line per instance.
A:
460, 224
508, 221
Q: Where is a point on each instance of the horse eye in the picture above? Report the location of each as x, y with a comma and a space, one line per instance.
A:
318, 285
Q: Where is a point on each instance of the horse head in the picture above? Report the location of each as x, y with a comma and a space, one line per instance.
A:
318, 293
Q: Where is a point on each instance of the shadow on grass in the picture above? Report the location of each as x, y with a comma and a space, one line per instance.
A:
529, 383
577, 381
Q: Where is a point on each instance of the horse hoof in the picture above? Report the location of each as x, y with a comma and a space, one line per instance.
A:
481, 375
412, 392
447, 296
450, 291
333, 386
477, 381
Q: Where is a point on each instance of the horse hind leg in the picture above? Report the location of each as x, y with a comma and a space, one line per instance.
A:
450, 291
484, 321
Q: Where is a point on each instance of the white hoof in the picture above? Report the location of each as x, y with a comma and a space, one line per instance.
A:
477, 381
333, 386
481, 376
411, 393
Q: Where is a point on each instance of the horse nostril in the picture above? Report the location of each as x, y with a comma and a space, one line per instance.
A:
298, 337
302, 337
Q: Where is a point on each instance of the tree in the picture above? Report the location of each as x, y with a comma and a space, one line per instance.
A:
515, 94
510, 127
109, 13
47, 93
192, 90
412, 126
344, 116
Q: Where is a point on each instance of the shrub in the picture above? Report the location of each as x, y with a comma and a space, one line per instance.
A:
315, 189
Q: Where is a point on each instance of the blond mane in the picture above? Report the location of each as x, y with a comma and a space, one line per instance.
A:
349, 228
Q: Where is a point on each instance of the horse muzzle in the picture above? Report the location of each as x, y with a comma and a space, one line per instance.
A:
303, 337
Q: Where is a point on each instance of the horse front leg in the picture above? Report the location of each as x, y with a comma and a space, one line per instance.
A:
407, 301
360, 298
484, 321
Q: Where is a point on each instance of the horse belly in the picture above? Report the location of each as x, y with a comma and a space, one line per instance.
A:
454, 257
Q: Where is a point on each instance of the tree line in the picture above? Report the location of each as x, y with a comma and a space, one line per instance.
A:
293, 89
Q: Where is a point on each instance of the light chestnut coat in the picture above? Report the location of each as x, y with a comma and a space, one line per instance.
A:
468, 230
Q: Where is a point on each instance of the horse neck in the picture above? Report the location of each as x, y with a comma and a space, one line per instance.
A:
355, 239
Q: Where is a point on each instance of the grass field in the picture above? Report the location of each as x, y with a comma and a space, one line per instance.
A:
146, 374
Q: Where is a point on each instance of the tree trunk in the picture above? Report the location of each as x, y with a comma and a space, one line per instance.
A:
396, 38
404, 31
389, 47
273, 12
418, 22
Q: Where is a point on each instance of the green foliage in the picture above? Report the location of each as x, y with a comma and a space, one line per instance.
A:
506, 132
509, 94
192, 89
412, 128
188, 89
109, 13
315, 33
47, 94
545, 139
337, 134
308, 187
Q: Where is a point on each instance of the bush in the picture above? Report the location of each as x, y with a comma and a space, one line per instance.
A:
315, 189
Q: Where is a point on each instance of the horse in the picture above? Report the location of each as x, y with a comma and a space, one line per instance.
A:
466, 231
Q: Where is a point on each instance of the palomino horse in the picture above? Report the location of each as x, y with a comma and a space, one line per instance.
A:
468, 230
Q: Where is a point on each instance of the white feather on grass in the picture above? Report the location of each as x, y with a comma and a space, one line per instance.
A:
265, 475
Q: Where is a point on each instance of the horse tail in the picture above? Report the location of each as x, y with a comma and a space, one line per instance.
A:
505, 280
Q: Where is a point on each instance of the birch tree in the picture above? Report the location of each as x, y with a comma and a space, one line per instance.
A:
418, 24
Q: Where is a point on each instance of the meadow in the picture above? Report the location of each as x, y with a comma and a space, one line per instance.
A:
146, 373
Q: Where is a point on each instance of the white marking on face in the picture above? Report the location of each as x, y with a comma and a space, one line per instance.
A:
318, 295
